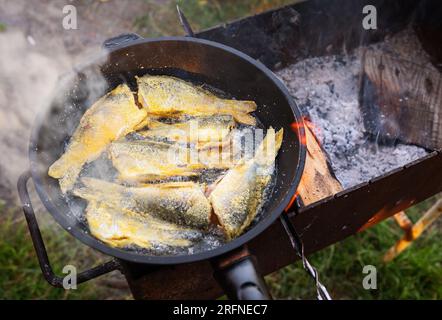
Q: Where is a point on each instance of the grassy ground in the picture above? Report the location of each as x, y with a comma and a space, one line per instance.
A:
20, 275
202, 14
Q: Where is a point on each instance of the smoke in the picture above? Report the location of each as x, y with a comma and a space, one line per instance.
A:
27, 79
31, 70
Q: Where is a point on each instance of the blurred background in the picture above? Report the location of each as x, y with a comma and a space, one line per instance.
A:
36, 49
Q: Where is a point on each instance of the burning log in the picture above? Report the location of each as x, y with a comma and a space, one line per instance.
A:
401, 99
318, 180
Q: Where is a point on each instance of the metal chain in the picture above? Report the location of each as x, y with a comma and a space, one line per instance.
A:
298, 245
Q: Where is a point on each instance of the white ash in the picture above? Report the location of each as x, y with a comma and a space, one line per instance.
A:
326, 88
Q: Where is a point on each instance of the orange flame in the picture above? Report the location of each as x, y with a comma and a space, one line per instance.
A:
305, 122
314, 128
296, 126
292, 200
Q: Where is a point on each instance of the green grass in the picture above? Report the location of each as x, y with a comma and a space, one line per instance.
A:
162, 18
2, 27
415, 274
20, 274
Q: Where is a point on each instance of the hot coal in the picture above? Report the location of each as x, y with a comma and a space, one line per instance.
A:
326, 89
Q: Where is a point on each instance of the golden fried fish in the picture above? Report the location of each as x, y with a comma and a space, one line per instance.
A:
145, 160
169, 96
121, 228
205, 132
150, 160
110, 118
239, 194
178, 202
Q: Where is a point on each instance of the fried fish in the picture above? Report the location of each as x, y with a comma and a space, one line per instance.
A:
110, 118
122, 228
238, 196
183, 203
150, 160
205, 132
145, 160
169, 96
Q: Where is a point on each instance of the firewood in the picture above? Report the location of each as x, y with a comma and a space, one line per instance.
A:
415, 231
401, 99
318, 180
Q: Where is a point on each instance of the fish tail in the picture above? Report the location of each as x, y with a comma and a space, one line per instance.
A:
244, 106
240, 111
59, 168
56, 169
244, 118
67, 176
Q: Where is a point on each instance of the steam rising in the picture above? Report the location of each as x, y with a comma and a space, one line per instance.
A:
26, 81
29, 76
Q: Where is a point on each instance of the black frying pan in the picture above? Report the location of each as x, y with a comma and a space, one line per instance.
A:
191, 59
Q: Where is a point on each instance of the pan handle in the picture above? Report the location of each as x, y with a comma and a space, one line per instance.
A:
120, 40
40, 248
238, 276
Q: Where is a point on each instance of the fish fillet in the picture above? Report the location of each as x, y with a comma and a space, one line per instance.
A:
205, 132
169, 96
145, 160
239, 194
183, 203
120, 228
150, 160
110, 118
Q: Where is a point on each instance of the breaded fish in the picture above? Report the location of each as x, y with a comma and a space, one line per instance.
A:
110, 118
169, 96
121, 228
145, 160
150, 160
239, 194
178, 202
205, 132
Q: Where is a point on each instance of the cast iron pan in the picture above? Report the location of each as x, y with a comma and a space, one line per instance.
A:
191, 59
